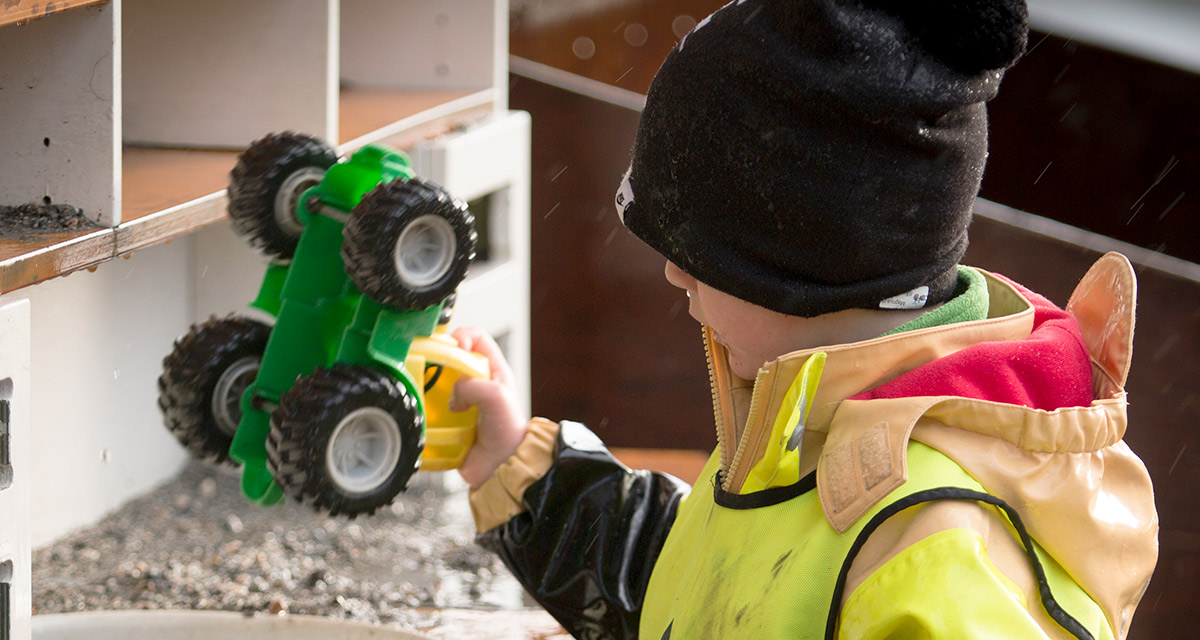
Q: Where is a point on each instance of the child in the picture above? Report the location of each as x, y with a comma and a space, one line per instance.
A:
908, 448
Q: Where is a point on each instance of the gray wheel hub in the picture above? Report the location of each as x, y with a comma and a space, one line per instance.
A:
227, 394
363, 450
424, 251
288, 197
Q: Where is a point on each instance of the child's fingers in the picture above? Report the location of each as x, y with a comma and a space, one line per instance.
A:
468, 336
477, 340
475, 392
501, 424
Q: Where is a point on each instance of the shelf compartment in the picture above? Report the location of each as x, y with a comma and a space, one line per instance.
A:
405, 127
220, 73
58, 96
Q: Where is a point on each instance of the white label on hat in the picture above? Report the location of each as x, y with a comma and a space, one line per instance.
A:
624, 195
914, 299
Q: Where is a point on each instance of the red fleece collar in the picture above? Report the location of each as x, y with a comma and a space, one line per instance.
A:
1048, 370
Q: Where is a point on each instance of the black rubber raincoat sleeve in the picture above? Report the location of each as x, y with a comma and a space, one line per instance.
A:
589, 536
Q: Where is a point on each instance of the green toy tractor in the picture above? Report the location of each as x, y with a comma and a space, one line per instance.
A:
338, 402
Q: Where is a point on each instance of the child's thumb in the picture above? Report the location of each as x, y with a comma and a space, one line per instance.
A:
471, 392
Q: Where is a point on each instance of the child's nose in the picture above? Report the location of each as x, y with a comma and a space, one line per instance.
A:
677, 277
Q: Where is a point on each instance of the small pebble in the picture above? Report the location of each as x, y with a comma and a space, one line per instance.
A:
208, 486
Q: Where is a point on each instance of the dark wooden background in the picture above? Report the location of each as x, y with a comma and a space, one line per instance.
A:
1085, 136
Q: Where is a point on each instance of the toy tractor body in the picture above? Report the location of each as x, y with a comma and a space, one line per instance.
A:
332, 405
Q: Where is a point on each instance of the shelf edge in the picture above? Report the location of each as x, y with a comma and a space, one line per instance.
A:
65, 257
170, 223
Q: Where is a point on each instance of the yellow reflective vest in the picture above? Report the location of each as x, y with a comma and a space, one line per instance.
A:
767, 565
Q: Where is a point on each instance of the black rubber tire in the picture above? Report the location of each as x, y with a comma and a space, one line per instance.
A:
375, 228
304, 423
190, 377
256, 180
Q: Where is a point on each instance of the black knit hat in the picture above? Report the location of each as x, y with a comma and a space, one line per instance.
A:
810, 156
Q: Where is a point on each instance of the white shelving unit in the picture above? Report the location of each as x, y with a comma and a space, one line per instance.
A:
15, 470
134, 111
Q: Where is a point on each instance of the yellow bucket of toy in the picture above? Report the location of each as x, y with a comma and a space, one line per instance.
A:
437, 362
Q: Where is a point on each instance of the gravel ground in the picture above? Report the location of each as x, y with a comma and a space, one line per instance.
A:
196, 543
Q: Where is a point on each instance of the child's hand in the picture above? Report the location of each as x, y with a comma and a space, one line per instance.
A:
502, 423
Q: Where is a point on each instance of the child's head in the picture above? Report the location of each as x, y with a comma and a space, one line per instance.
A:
816, 156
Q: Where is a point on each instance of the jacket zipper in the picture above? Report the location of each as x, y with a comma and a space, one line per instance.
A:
718, 419
728, 464
751, 417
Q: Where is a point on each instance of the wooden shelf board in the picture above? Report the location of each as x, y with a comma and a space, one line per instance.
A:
25, 10
363, 110
168, 193
157, 179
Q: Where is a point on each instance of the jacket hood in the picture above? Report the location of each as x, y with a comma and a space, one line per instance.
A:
1029, 401
1048, 369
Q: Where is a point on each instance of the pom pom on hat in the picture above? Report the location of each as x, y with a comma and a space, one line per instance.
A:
810, 156
971, 36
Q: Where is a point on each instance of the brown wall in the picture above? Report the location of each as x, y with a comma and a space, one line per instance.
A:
614, 347
1101, 141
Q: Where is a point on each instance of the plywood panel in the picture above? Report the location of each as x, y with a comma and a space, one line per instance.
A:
26, 263
17, 432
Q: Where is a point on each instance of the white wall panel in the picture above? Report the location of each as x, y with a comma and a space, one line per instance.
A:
98, 340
